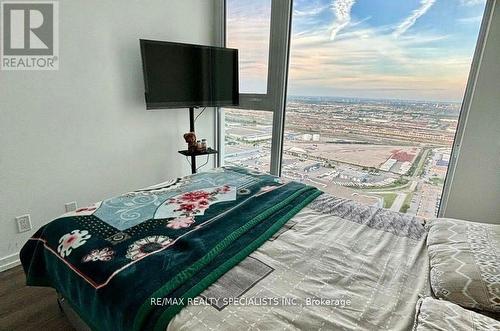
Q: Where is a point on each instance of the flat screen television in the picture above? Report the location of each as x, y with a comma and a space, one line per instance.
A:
180, 75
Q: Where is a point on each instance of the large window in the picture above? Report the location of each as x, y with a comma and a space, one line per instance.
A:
260, 30
374, 96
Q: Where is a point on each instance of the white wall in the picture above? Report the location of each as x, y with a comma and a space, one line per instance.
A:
475, 183
82, 133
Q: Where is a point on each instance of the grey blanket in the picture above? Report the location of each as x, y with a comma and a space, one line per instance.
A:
337, 265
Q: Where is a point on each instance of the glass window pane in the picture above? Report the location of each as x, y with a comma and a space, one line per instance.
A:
375, 91
248, 136
248, 29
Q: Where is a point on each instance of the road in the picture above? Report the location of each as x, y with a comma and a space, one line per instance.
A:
421, 163
398, 202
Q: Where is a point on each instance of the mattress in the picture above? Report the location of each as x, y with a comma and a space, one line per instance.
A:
303, 262
337, 265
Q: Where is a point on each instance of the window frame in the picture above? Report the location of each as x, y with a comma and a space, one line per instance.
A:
277, 77
466, 105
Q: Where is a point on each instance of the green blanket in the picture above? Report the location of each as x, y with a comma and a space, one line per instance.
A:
133, 261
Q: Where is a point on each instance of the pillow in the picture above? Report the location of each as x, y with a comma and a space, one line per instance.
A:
465, 262
433, 314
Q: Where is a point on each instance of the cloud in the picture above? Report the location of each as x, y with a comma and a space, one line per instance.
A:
249, 30
309, 11
342, 11
470, 20
473, 2
409, 21
363, 60
369, 58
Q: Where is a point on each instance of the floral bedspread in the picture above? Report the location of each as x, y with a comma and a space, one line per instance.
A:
112, 260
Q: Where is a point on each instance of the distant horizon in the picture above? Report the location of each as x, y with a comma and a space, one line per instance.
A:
374, 99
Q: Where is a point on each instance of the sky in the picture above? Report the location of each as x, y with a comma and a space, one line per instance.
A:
390, 49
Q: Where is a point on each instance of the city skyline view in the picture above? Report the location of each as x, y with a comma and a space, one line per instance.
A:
374, 95
391, 154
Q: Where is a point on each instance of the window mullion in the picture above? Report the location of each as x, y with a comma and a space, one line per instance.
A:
281, 15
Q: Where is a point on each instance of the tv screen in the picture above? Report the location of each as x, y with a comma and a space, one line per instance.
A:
183, 75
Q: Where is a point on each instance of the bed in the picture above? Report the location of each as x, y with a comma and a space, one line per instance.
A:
233, 249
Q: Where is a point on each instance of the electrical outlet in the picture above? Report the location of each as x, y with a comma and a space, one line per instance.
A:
23, 223
70, 206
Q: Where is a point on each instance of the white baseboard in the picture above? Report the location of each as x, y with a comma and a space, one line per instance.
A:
9, 261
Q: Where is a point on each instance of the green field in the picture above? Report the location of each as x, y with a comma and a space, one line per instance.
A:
437, 181
388, 199
406, 204
418, 165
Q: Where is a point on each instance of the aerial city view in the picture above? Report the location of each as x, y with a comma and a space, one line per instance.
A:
392, 154
373, 98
